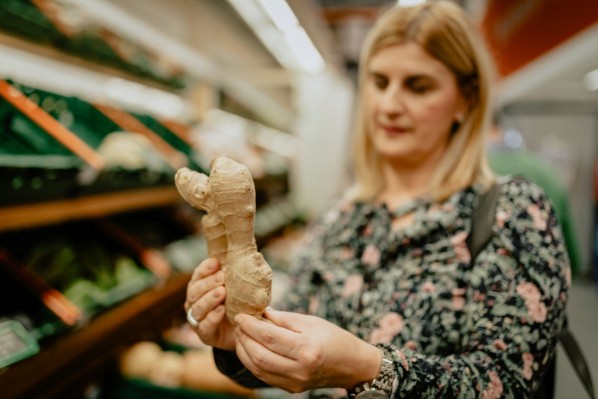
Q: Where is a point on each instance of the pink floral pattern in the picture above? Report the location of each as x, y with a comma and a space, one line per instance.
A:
537, 216
353, 285
455, 328
528, 362
371, 256
390, 325
532, 298
460, 247
494, 389
458, 298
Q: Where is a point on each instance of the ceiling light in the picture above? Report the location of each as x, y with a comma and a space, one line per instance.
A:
304, 50
126, 24
280, 13
408, 3
277, 27
590, 80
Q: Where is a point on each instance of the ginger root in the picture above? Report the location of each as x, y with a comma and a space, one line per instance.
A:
228, 198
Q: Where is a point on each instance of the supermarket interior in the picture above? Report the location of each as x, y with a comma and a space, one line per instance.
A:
102, 101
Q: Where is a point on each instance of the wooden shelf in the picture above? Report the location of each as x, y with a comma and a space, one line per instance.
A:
70, 363
34, 215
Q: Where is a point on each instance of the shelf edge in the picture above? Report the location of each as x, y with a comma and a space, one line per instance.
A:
40, 214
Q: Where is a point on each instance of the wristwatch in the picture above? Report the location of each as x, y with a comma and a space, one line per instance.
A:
379, 387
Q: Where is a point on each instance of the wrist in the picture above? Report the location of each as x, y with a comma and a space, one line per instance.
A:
365, 368
381, 385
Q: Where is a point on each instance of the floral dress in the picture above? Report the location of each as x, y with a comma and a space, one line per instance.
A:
456, 328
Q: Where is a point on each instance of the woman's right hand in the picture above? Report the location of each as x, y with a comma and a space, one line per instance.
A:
205, 302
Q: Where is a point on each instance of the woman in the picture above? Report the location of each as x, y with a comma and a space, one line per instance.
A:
385, 299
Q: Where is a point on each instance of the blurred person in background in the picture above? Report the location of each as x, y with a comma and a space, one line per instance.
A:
385, 299
505, 159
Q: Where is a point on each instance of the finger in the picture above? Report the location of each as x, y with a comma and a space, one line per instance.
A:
209, 324
263, 363
277, 339
198, 289
205, 268
207, 303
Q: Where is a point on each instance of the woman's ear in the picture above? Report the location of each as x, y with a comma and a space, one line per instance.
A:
461, 109
459, 116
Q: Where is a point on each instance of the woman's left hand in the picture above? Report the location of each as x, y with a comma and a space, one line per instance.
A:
297, 352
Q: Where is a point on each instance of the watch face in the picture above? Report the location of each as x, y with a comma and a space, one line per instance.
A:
372, 394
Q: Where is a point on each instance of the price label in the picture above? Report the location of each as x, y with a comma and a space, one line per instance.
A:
16, 343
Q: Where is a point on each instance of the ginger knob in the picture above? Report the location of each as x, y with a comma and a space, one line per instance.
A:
227, 196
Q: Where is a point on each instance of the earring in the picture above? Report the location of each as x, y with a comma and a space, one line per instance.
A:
459, 118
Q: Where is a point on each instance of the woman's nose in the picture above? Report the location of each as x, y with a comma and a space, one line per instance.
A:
392, 101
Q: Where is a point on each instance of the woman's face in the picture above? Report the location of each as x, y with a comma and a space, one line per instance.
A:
411, 102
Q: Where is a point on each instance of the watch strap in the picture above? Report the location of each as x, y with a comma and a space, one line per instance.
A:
381, 386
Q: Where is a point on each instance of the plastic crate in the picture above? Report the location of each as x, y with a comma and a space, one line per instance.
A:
129, 388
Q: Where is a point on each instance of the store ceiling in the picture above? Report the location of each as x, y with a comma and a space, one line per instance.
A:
338, 28
234, 56
555, 78
217, 47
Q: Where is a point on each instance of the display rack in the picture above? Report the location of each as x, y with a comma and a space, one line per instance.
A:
70, 363
77, 360
73, 360
34, 215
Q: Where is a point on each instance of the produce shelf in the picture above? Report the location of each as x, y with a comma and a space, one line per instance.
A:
40, 214
69, 364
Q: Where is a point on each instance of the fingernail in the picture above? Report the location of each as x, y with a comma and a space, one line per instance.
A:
219, 277
210, 266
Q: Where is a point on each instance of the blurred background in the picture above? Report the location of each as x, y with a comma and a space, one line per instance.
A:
101, 101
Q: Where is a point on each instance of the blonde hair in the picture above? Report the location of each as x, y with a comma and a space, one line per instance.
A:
445, 32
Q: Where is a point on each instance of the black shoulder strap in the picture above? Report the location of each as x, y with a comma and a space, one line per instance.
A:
482, 220
577, 359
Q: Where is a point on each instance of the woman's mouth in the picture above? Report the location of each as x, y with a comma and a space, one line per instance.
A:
394, 130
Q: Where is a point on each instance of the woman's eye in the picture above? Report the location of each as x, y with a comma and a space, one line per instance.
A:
380, 82
418, 86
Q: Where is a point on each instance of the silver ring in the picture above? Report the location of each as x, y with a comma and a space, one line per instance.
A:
191, 319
